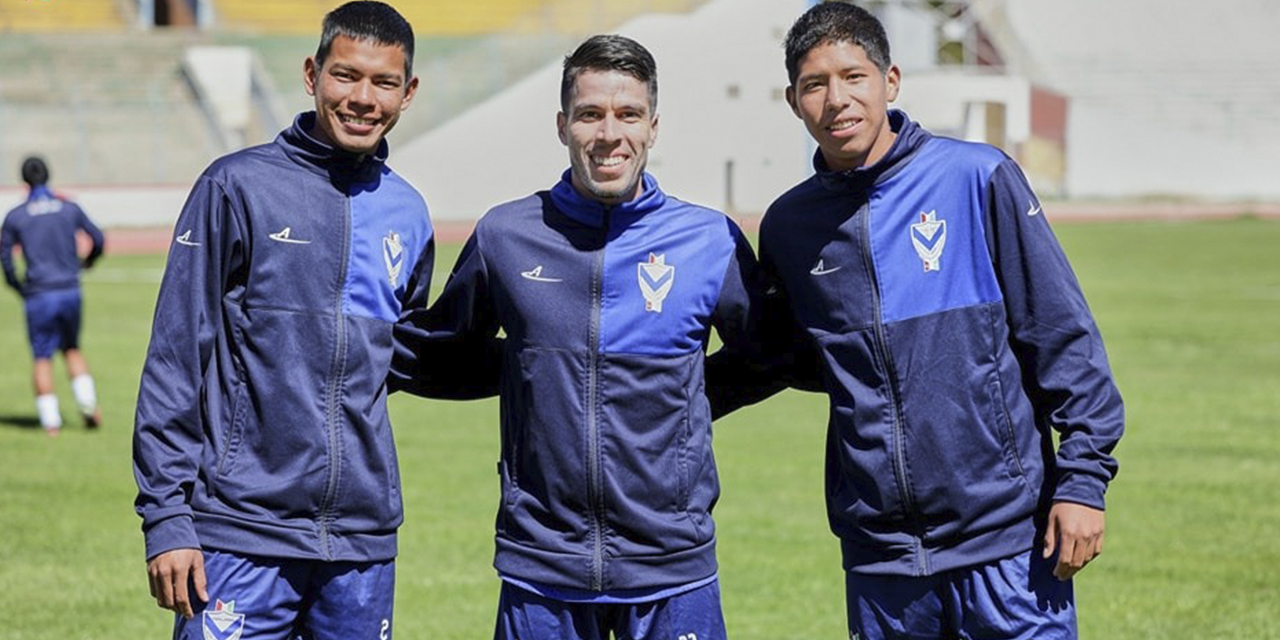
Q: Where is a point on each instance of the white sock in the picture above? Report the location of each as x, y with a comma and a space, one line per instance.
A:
47, 407
86, 397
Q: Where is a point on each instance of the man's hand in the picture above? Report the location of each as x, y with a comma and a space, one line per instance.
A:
169, 574
1075, 532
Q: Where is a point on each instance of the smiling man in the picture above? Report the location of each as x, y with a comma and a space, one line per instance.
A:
952, 339
266, 469
607, 290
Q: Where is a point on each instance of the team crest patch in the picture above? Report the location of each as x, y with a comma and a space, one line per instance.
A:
223, 623
655, 278
393, 255
929, 236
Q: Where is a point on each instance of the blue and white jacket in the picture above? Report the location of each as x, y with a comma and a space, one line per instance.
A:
952, 337
45, 226
607, 473
262, 422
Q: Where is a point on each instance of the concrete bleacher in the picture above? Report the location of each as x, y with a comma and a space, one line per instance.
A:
61, 15
451, 17
101, 107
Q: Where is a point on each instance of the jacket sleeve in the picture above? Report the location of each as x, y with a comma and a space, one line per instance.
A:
1064, 364
168, 429
450, 350
8, 238
95, 235
765, 351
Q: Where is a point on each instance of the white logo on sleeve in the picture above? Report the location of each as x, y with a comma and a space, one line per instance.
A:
223, 623
820, 269
393, 255
656, 278
929, 236
283, 236
535, 274
185, 239
1034, 210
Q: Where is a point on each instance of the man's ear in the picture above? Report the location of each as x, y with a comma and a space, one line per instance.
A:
561, 122
310, 72
410, 90
791, 100
892, 81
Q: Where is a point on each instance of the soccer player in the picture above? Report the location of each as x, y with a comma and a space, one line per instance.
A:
952, 339
607, 290
45, 226
266, 469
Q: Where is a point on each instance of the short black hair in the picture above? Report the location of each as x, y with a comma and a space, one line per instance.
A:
34, 172
367, 20
610, 53
832, 23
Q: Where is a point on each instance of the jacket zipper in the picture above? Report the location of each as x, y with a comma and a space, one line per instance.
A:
891, 377
594, 492
337, 371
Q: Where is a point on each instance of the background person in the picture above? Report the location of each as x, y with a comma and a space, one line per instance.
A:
46, 226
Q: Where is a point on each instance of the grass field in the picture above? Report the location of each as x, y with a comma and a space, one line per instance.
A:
1191, 314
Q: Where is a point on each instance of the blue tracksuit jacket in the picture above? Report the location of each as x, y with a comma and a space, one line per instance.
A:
45, 225
951, 336
262, 422
607, 473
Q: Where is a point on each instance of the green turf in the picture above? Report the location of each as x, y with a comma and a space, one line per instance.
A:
1190, 313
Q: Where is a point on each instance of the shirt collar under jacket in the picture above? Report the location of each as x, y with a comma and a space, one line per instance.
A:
911, 137
592, 212
342, 167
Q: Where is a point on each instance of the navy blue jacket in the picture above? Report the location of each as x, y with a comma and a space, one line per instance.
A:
262, 422
952, 337
607, 473
45, 225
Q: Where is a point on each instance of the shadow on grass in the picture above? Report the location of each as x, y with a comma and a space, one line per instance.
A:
19, 421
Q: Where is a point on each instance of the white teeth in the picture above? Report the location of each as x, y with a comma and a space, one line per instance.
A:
842, 125
354, 120
611, 161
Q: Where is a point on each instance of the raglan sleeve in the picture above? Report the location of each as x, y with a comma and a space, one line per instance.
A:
450, 350
1054, 336
168, 425
98, 241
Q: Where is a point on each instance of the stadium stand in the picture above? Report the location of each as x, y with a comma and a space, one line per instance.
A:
109, 104
451, 17
439, 17
61, 15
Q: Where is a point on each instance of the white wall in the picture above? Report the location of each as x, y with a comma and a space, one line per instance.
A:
506, 147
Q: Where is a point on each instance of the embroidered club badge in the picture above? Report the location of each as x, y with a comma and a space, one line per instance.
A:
223, 623
929, 236
655, 278
393, 255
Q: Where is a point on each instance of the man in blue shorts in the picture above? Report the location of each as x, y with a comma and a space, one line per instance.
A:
607, 290
952, 339
266, 468
46, 226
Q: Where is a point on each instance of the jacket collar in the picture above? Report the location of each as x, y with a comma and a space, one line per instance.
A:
592, 212
41, 192
342, 167
911, 137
